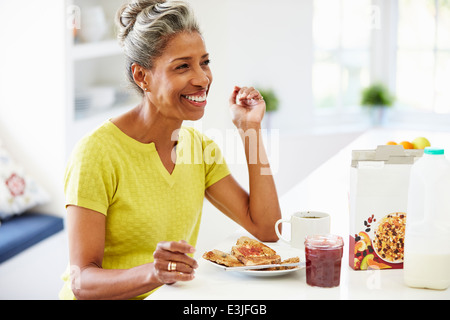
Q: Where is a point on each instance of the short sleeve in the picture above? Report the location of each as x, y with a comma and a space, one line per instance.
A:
216, 167
88, 180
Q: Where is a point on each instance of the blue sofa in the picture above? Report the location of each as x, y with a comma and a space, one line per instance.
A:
24, 231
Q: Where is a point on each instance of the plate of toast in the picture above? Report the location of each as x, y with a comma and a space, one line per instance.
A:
254, 258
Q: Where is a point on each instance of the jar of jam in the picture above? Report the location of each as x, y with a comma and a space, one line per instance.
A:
323, 255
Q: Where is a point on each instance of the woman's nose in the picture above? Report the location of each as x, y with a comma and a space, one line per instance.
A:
201, 78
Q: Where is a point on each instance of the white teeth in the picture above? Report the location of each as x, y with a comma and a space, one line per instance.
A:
201, 98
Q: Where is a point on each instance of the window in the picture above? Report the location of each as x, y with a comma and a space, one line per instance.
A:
423, 56
409, 52
342, 53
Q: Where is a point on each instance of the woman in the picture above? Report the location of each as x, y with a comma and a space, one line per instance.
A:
135, 186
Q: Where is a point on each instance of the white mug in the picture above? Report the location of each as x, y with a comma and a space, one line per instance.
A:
303, 224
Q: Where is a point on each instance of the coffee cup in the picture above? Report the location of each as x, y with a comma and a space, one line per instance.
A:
303, 224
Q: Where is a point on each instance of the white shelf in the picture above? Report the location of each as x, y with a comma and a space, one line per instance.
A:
106, 113
100, 49
91, 65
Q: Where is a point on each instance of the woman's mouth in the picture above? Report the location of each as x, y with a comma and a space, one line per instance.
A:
197, 99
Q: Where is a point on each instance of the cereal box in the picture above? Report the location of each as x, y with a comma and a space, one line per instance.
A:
379, 181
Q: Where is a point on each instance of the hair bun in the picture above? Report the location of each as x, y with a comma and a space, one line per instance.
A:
127, 14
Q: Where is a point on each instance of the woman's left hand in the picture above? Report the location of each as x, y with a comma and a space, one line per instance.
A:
247, 107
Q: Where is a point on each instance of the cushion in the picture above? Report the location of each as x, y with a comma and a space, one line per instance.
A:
18, 190
21, 232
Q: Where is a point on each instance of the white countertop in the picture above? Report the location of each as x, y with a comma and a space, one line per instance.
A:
325, 189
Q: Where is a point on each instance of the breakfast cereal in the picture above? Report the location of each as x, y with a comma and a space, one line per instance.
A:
378, 198
390, 237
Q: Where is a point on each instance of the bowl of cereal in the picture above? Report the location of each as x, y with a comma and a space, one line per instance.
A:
389, 237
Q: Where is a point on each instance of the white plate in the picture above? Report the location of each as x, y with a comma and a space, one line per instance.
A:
270, 273
285, 252
258, 273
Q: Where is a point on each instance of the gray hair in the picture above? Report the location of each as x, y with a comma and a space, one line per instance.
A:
145, 28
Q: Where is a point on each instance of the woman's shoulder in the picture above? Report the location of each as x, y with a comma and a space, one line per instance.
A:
211, 151
95, 141
190, 131
196, 135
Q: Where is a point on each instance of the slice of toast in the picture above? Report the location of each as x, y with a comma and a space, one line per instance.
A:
222, 258
281, 267
252, 252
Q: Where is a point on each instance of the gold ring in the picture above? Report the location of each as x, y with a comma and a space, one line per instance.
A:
172, 266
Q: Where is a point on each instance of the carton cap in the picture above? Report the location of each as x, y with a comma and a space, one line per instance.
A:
388, 154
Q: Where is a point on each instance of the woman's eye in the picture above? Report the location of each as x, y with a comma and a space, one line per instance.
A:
183, 66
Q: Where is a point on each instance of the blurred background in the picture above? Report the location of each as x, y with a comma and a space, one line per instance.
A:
62, 74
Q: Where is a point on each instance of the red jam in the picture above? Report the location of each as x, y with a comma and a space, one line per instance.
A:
323, 260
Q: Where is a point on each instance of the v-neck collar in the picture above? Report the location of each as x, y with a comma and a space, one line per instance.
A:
169, 177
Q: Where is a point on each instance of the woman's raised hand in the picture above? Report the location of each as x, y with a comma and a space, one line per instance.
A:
247, 107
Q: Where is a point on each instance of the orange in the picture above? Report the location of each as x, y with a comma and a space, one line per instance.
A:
391, 143
407, 145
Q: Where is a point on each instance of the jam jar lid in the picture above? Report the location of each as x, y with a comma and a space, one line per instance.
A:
324, 241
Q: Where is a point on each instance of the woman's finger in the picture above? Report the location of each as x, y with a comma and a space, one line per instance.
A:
182, 247
171, 277
177, 266
162, 259
234, 95
171, 267
173, 251
242, 95
248, 94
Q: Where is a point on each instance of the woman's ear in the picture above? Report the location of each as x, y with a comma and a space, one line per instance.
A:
140, 76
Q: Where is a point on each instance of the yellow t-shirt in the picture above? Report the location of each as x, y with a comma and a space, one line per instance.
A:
125, 180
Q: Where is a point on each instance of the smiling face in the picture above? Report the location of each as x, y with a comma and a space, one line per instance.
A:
180, 79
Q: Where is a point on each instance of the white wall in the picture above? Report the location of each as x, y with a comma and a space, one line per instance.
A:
259, 43
32, 90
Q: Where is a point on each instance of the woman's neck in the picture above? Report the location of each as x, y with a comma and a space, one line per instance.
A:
146, 126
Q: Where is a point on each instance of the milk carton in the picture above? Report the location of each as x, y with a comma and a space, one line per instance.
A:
427, 251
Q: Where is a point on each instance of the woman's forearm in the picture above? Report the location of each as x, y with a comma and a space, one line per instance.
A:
97, 283
264, 207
